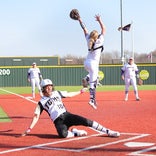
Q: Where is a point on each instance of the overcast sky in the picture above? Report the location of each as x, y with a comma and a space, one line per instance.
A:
43, 27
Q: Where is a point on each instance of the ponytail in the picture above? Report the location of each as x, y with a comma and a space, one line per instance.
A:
92, 38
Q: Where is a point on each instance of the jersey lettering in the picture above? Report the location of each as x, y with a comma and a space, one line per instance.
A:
53, 105
55, 101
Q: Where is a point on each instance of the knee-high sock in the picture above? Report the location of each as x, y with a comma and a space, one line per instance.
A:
92, 93
99, 127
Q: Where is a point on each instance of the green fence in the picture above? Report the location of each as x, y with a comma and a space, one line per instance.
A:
12, 76
27, 61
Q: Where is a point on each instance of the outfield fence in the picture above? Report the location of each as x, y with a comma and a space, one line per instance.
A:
16, 76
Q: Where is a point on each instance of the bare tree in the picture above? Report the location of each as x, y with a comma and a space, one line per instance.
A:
111, 58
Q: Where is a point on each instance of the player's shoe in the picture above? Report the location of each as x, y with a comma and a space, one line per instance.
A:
93, 103
126, 99
79, 132
84, 83
29, 97
99, 84
113, 133
138, 99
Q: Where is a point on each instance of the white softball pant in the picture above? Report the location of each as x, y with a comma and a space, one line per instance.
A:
92, 67
35, 82
130, 81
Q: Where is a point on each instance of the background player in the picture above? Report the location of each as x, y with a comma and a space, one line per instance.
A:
129, 72
52, 103
34, 76
95, 47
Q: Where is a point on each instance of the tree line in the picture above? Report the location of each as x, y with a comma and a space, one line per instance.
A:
113, 57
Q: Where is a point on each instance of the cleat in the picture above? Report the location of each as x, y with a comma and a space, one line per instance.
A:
79, 132
93, 103
113, 133
29, 97
99, 84
126, 99
137, 99
84, 83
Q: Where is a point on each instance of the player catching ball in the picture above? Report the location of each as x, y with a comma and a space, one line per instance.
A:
51, 102
95, 42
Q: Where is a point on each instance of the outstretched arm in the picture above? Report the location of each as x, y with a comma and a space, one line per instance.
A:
34, 121
103, 28
71, 94
83, 26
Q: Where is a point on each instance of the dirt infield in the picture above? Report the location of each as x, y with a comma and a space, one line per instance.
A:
134, 119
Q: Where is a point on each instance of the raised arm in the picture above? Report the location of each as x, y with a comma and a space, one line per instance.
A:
103, 28
83, 26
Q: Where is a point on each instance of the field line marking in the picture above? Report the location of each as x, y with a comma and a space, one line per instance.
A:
50, 143
73, 139
140, 152
97, 146
18, 95
115, 142
94, 146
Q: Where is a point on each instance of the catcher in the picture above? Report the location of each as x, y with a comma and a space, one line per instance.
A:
95, 42
129, 73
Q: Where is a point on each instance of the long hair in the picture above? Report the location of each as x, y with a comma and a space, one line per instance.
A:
43, 89
92, 38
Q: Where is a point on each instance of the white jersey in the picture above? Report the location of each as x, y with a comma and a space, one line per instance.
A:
34, 73
53, 105
130, 70
95, 54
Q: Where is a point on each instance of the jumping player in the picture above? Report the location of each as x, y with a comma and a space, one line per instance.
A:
85, 81
52, 103
129, 72
34, 76
95, 47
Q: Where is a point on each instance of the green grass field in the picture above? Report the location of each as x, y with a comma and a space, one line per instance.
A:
3, 116
27, 90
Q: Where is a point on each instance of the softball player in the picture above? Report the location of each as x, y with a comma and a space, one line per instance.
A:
129, 72
52, 103
85, 81
34, 76
95, 47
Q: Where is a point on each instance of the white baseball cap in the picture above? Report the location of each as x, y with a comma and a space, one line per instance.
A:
34, 63
131, 58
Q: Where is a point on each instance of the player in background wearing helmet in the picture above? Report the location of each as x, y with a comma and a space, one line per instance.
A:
34, 76
95, 47
129, 72
52, 103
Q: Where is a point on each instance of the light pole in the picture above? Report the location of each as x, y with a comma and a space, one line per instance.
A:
122, 50
132, 38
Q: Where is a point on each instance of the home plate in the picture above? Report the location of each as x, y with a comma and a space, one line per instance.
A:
138, 144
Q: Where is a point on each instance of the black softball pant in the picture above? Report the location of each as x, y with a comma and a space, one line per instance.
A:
66, 120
